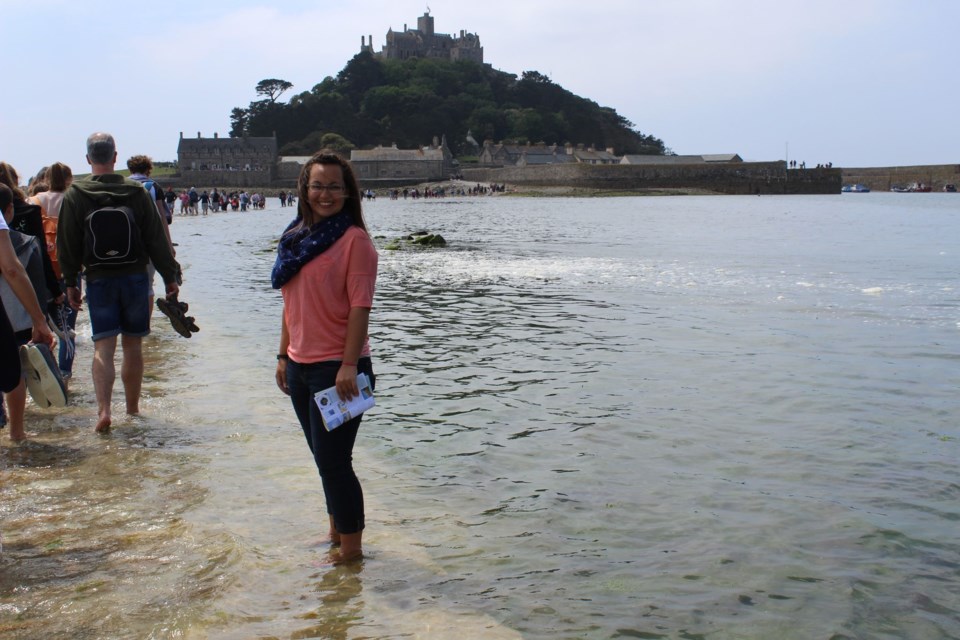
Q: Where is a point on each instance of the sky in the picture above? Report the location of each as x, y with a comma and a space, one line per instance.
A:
855, 83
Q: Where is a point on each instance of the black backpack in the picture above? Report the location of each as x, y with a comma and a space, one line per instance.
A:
111, 238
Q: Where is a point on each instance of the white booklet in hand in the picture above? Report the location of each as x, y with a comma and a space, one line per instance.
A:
335, 411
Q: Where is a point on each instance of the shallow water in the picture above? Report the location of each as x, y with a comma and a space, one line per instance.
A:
597, 418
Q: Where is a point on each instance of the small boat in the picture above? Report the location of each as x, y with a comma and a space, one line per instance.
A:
919, 187
899, 189
950, 188
856, 188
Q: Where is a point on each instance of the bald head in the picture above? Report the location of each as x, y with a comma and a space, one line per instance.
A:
101, 151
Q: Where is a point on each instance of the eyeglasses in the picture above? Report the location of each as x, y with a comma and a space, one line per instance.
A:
332, 189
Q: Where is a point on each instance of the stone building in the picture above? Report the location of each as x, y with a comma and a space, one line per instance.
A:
424, 42
505, 155
590, 155
434, 162
238, 162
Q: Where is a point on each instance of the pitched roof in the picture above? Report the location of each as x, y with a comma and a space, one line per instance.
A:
722, 157
689, 159
394, 154
593, 154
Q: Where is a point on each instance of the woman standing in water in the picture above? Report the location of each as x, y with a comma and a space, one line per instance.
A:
58, 177
326, 269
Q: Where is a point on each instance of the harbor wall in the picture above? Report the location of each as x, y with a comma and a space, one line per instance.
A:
745, 178
883, 178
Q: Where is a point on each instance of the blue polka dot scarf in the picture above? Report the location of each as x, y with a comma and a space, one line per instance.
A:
298, 248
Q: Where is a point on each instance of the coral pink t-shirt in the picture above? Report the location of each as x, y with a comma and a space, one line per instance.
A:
317, 301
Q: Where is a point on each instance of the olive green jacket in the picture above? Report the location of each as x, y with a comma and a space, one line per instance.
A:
111, 189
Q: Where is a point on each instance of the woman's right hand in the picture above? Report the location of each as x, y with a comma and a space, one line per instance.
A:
282, 376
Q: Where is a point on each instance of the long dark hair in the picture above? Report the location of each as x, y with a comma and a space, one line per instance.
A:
9, 177
352, 202
59, 176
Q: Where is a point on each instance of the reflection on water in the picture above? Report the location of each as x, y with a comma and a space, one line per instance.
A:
675, 417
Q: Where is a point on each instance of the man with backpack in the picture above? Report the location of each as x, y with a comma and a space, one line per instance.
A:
109, 230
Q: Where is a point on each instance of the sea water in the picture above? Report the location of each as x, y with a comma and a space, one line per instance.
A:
703, 417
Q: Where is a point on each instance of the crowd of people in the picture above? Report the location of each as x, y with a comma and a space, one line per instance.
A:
193, 202
441, 191
101, 238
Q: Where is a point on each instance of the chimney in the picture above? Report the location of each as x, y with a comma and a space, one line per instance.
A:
181, 135
363, 42
215, 135
198, 135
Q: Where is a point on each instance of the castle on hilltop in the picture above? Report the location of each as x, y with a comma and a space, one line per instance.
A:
423, 42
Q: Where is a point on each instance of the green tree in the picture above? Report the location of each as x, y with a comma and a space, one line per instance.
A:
238, 122
372, 101
316, 141
272, 88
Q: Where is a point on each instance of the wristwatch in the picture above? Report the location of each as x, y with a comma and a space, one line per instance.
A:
282, 356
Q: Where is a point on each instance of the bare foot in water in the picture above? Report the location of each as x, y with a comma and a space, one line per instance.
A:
332, 539
337, 559
103, 424
351, 549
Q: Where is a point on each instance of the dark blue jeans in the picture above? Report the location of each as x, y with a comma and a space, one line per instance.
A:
67, 351
332, 450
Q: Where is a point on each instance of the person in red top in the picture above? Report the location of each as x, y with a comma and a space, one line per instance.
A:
326, 269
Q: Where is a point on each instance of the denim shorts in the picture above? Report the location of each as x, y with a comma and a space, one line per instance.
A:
119, 305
